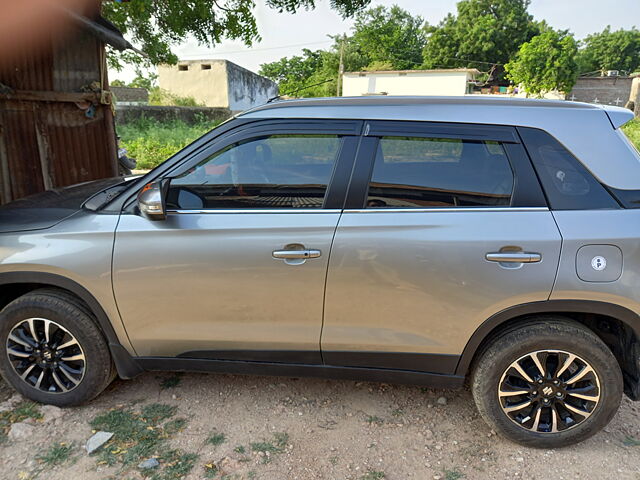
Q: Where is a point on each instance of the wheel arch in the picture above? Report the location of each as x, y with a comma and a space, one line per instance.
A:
616, 325
16, 284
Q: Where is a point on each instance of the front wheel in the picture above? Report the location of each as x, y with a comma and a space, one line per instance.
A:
52, 350
548, 384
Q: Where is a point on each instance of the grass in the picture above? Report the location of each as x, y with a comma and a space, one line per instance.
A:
276, 446
240, 449
56, 454
142, 434
631, 442
373, 419
373, 475
216, 439
171, 382
20, 413
174, 426
210, 470
632, 130
453, 475
151, 142
176, 465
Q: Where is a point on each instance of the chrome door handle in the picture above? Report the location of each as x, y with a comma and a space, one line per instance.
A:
513, 257
296, 254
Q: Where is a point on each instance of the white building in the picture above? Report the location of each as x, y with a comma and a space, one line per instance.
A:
447, 82
217, 83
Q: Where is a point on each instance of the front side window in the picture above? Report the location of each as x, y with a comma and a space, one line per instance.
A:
412, 172
276, 171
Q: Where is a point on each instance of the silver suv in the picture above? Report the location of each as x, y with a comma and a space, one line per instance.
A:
415, 240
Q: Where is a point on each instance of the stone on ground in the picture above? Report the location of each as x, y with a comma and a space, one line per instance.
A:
97, 440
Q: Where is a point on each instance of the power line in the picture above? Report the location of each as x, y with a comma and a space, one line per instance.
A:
299, 90
258, 49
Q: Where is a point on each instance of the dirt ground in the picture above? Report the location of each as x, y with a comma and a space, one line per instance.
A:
243, 427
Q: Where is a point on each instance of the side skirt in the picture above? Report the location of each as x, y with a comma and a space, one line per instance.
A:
300, 370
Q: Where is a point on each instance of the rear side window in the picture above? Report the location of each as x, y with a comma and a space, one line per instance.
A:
415, 172
566, 182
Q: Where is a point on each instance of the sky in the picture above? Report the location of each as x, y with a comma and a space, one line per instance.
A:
286, 34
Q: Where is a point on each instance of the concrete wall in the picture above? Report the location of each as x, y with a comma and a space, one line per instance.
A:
217, 83
409, 83
246, 89
602, 90
206, 81
190, 115
129, 95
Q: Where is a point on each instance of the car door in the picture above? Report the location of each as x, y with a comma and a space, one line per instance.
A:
445, 226
237, 269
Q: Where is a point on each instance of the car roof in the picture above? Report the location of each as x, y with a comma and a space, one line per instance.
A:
403, 101
588, 131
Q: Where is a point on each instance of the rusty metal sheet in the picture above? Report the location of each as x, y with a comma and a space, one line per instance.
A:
54, 130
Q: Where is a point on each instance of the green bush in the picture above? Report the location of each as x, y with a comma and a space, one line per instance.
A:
159, 96
151, 142
632, 130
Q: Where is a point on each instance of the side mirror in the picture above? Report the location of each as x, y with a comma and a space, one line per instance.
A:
152, 200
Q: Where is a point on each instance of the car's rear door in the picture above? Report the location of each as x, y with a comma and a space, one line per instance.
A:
445, 225
237, 270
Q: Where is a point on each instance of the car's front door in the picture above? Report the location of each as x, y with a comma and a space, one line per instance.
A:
448, 227
237, 270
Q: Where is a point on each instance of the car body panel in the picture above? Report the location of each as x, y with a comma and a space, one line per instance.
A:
580, 228
208, 282
417, 281
46, 209
78, 249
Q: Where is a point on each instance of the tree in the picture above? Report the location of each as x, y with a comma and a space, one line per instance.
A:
391, 37
545, 63
382, 38
489, 31
158, 25
292, 74
607, 50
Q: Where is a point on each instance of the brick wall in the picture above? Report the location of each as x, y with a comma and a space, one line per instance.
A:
602, 90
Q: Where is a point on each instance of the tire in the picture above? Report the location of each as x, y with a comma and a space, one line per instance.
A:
123, 171
88, 368
556, 339
128, 163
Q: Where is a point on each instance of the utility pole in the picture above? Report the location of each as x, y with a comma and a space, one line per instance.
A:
341, 67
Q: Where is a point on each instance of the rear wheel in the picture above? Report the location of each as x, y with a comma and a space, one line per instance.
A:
547, 384
53, 350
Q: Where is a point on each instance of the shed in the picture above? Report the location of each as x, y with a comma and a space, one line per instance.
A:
56, 121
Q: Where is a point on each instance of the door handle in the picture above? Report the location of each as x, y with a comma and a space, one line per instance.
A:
296, 254
514, 257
